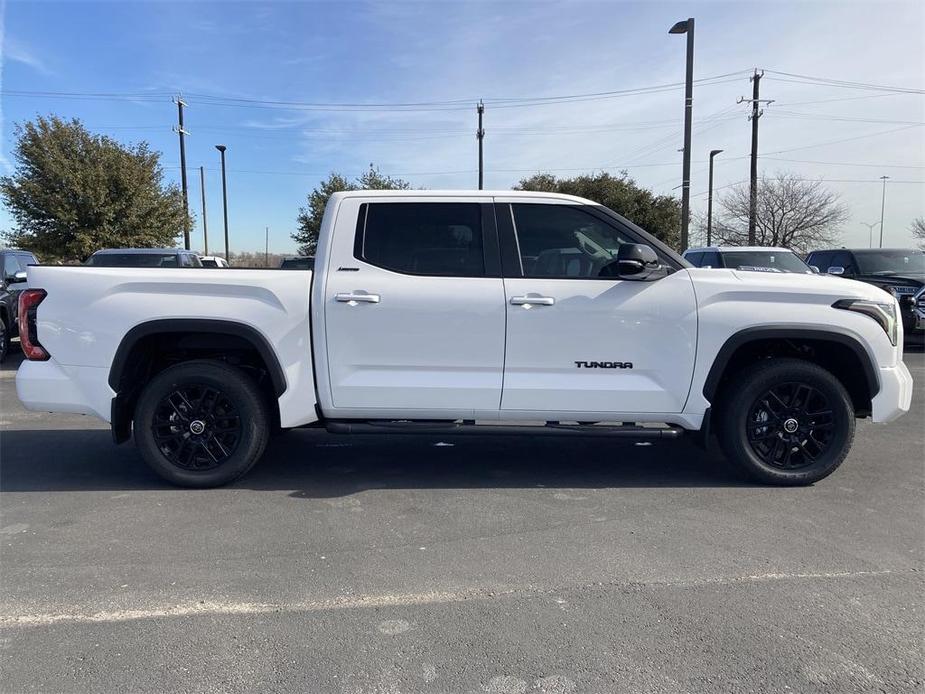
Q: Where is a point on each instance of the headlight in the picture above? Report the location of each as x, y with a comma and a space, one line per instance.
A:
883, 313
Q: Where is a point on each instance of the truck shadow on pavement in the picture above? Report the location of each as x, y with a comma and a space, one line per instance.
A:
313, 464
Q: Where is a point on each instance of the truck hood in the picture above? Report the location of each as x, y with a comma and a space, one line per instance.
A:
765, 286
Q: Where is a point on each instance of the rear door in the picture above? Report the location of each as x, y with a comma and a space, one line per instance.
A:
414, 309
579, 342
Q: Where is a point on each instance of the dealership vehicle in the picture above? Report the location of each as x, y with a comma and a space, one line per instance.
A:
899, 271
213, 261
460, 312
301, 262
13, 264
143, 257
758, 258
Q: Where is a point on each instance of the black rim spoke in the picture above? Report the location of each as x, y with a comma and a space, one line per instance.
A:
790, 425
196, 427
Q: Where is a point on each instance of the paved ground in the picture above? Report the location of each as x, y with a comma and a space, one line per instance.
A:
403, 564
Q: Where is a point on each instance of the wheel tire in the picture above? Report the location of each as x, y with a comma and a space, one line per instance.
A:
5, 338
237, 424
746, 406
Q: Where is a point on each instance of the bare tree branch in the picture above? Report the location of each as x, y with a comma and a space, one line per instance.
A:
791, 212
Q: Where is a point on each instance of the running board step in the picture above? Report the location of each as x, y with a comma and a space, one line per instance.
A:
462, 429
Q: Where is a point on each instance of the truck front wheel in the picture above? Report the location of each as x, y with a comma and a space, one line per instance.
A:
786, 422
201, 424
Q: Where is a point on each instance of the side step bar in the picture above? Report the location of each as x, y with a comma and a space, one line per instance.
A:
630, 431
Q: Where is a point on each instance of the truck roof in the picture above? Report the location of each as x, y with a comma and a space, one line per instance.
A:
748, 249
161, 251
508, 194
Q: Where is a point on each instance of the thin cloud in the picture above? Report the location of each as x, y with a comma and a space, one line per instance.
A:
18, 52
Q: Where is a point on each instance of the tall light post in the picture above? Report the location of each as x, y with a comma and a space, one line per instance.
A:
870, 233
882, 206
222, 148
686, 27
713, 153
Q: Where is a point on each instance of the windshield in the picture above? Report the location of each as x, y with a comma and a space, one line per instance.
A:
773, 261
133, 260
890, 262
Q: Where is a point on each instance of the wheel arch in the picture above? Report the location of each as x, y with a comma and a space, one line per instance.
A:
837, 351
138, 351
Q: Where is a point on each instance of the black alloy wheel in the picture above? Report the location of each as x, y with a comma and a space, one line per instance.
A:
202, 423
785, 421
197, 427
790, 425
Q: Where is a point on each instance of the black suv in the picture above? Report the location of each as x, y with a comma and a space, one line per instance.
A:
13, 265
900, 271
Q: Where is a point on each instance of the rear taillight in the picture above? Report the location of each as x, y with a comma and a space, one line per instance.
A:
29, 300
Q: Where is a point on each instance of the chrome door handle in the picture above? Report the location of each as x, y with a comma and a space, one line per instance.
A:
532, 300
358, 298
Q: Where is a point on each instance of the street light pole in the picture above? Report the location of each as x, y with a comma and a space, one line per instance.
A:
713, 153
205, 225
222, 148
870, 233
686, 27
882, 206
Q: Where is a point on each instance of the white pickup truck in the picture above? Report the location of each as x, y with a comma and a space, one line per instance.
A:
458, 312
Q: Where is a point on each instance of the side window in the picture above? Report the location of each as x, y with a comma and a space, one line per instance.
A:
841, 259
694, 258
713, 259
10, 265
820, 260
564, 241
185, 260
426, 238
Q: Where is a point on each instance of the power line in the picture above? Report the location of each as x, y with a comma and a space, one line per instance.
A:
848, 84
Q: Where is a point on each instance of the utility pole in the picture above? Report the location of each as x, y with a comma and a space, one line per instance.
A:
205, 225
882, 207
756, 102
480, 135
713, 153
686, 27
182, 133
222, 148
266, 249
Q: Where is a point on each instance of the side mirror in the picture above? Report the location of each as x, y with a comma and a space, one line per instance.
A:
16, 277
635, 261
836, 270
814, 268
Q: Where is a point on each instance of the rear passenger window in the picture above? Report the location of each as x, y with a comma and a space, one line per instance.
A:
427, 238
712, 259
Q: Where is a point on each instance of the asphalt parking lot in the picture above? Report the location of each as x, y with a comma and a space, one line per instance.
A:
416, 564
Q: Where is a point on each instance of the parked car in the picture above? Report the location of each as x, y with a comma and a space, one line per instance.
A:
302, 262
143, 257
213, 261
467, 312
13, 264
758, 258
899, 271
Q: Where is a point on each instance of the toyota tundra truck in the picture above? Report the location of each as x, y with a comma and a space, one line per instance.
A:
466, 312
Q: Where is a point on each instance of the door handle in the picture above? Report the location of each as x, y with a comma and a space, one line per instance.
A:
352, 298
532, 301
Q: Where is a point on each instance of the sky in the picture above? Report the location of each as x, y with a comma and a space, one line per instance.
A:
297, 90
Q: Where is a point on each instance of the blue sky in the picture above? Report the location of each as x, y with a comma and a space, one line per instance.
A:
398, 52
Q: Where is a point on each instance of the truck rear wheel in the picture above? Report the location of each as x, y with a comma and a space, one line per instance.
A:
201, 424
786, 422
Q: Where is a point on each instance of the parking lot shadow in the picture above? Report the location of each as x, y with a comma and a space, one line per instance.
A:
315, 464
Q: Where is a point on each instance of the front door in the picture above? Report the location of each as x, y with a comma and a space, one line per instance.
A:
577, 342
414, 310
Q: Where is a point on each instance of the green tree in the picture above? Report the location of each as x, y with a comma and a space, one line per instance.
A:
73, 192
309, 219
660, 215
